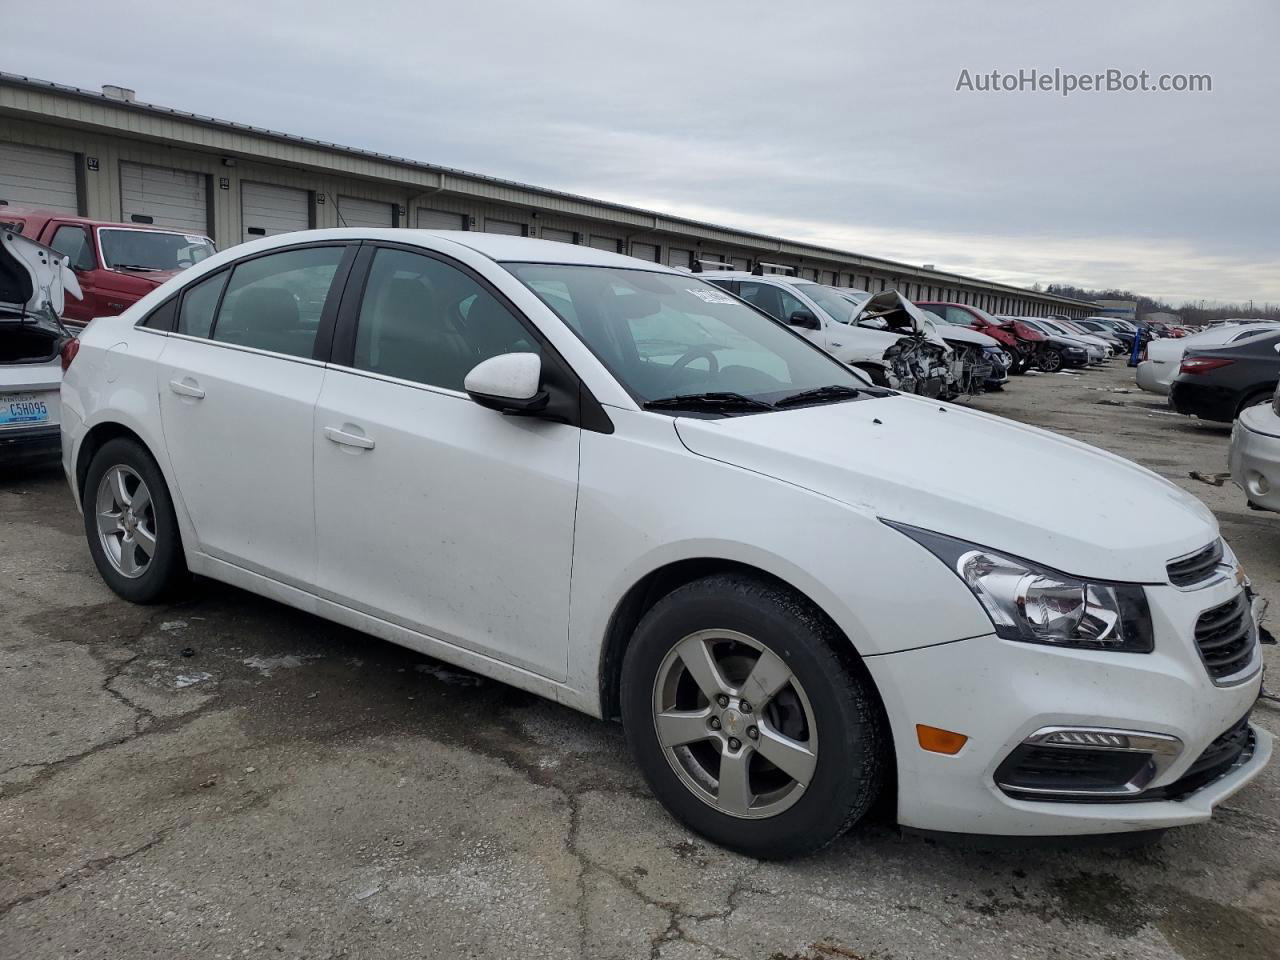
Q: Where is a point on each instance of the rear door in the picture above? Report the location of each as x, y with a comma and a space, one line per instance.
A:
433, 512
239, 378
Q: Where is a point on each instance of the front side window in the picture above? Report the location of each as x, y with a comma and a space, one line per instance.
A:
73, 242
151, 250
274, 302
426, 321
666, 335
834, 303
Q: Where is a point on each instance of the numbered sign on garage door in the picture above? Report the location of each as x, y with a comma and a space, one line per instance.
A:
38, 177
266, 210
164, 197
364, 213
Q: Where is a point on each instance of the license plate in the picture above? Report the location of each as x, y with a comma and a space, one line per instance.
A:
21, 409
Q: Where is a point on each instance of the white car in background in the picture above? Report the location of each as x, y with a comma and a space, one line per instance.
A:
915, 360
1164, 354
34, 281
612, 484
1254, 458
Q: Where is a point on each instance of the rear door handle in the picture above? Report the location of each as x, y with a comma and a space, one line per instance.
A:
186, 387
348, 439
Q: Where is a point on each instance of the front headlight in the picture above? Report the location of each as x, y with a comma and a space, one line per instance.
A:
1034, 604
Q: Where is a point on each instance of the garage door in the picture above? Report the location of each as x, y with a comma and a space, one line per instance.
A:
167, 198
438, 220
740, 263
365, 213
38, 177
560, 236
266, 210
605, 243
676, 257
509, 227
645, 251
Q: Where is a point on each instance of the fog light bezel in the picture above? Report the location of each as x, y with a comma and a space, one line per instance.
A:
1161, 749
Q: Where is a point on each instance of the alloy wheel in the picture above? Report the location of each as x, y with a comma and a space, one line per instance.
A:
735, 724
1050, 361
126, 521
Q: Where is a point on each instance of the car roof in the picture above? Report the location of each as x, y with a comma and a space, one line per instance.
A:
502, 247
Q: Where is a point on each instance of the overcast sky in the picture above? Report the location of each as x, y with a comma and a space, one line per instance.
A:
834, 122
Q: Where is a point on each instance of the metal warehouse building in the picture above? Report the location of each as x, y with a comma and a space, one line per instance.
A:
105, 155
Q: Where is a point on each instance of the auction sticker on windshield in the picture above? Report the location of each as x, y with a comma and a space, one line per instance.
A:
712, 296
22, 408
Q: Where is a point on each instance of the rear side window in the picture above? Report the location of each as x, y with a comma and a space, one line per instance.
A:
274, 302
195, 317
161, 318
73, 242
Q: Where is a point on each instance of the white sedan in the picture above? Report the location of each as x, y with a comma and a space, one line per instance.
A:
614, 485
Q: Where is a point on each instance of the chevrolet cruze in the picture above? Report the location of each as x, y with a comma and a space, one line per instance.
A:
622, 488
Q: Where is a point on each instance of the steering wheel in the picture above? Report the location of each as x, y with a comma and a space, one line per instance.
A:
693, 353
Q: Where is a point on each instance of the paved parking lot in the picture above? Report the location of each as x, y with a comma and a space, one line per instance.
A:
227, 777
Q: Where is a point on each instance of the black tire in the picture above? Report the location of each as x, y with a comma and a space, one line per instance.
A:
1017, 362
167, 569
1050, 361
853, 743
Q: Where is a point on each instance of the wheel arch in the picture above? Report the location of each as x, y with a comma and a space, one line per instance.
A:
658, 583
94, 439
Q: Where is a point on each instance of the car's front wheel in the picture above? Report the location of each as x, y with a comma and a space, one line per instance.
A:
747, 724
130, 524
1050, 361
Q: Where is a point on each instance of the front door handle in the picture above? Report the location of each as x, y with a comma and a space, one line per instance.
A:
348, 439
186, 387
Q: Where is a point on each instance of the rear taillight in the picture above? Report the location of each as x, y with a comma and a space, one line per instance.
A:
1203, 364
69, 351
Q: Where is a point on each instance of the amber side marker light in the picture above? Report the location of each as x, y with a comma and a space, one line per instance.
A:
937, 740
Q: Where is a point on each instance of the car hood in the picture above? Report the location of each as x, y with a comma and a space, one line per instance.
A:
890, 310
965, 335
971, 475
154, 277
34, 279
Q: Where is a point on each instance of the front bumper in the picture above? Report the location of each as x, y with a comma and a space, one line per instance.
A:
1255, 456
1072, 357
998, 693
1150, 376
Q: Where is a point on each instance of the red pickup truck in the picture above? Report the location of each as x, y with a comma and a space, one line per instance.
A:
117, 264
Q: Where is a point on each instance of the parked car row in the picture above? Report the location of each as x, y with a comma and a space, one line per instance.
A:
634, 491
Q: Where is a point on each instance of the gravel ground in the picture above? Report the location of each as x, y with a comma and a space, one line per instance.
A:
228, 777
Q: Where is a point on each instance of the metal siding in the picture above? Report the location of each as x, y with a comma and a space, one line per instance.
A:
267, 209
164, 197
353, 212
38, 177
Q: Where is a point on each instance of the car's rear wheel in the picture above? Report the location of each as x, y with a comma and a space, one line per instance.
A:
747, 724
130, 524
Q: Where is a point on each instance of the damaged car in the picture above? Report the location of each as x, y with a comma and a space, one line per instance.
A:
910, 360
34, 283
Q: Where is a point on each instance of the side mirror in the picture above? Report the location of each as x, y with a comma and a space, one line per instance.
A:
509, 382
803, 318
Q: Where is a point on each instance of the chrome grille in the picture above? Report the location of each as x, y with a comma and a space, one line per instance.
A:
1225, 638
1195, 567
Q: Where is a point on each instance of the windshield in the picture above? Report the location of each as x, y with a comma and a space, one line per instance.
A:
152, 249
664, 335
831, 300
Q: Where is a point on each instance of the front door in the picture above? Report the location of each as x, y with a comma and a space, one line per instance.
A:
238, 384
432, 512
72, 241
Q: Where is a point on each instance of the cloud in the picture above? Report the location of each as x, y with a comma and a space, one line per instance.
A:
817, 120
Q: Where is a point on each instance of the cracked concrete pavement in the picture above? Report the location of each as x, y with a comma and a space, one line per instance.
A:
226, 777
